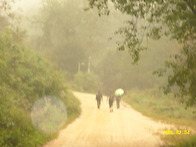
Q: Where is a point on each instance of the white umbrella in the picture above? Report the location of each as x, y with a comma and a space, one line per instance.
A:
119, 92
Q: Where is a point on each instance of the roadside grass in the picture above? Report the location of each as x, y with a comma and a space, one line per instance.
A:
73, 106
18, 130
187, 142
179, 140
166, 108
73, 111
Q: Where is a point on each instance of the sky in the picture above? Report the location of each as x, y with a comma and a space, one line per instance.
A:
27, 6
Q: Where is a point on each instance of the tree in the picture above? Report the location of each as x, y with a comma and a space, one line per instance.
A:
71, 35
5, 13
154, 19
115, 69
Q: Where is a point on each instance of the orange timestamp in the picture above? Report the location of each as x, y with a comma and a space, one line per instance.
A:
177, 132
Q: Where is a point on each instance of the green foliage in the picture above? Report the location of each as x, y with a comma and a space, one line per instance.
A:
16, 127
72, 105
87, 81
116, 70
25, 71
154, 19
68, 35
179, 140
5, 13
71, 35
25, 77
183, 76
190, 142
155, 104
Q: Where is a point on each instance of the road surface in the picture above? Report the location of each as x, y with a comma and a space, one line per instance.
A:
124, 127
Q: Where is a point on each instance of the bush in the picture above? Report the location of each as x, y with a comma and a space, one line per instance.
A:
25, 77
84, 81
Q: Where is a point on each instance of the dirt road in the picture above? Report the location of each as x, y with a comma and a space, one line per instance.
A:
124, 127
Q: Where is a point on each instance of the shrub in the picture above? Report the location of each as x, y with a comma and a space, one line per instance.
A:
86, 81
25, 77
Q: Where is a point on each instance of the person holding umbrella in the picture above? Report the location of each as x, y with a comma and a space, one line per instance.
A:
118, 93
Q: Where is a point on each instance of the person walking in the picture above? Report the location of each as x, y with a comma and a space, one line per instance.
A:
118, 94
99, 97
111, 101
118, 98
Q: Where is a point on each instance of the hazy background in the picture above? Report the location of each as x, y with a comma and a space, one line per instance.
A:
72, 37
48, 47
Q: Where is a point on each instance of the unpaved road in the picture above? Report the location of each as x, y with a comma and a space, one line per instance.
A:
124, 127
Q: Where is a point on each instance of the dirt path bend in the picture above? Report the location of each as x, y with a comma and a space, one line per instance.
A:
124, 127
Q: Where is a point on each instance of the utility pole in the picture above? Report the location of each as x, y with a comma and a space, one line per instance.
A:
79, 67
89, 64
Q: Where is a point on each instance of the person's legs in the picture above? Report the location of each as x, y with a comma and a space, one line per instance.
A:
111, 105
117, 102
98, 104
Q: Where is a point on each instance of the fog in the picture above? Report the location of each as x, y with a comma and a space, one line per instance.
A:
27, 6
64, 62
81, 40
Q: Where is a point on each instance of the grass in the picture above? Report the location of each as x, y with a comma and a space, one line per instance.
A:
179, 141
73, 111
73, 107
153, 103
17, 129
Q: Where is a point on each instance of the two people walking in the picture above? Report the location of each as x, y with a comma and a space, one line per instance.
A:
112, 99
